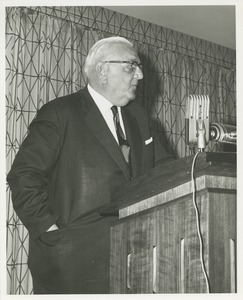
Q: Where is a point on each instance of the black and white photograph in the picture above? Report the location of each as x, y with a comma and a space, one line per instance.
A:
121, 161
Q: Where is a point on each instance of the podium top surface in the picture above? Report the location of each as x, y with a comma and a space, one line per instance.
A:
171, 174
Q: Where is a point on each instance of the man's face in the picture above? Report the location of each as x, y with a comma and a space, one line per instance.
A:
122, 78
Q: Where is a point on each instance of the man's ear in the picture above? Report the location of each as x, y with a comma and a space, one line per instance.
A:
101, 72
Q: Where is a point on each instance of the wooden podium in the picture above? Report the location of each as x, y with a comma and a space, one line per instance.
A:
155, 245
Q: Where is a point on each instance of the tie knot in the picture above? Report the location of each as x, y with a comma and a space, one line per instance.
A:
114, 110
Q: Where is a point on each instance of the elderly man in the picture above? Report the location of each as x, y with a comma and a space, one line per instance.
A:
80, 149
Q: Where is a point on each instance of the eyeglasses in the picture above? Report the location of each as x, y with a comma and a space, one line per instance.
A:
132, 65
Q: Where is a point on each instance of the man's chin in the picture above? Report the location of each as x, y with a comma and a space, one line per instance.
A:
128, 99
132, 95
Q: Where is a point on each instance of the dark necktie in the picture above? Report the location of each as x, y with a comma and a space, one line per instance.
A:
124, 145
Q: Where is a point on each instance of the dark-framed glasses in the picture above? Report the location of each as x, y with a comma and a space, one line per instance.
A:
132, 64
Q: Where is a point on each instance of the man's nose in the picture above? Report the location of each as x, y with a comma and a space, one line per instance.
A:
138, 73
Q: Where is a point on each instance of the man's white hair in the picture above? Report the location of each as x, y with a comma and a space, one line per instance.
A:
99, 50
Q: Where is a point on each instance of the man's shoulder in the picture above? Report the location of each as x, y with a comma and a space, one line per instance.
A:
61, 106
65, 99
65, 102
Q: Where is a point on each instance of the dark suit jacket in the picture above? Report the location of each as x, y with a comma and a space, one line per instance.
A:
67, 168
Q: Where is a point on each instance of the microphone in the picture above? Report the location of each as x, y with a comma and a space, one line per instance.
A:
223, 133
197, 121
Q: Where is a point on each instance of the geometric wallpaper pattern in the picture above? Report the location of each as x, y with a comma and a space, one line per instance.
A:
45, 51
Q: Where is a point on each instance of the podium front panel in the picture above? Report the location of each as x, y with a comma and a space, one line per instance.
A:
156, 249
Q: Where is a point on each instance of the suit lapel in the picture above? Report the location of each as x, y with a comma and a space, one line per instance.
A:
135, 140
97, 124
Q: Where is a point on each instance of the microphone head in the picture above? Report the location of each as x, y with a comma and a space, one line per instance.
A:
223, 133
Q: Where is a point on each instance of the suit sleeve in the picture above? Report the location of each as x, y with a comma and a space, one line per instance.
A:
33, 164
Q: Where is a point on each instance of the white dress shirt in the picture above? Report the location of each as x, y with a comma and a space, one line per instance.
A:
104, 106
